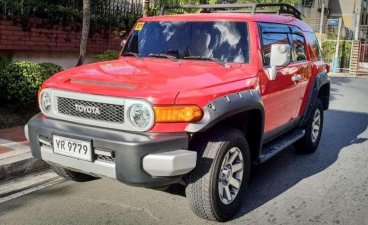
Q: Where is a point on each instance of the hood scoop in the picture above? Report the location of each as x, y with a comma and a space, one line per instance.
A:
103, 83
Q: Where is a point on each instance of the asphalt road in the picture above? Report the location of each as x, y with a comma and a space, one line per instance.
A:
327, 187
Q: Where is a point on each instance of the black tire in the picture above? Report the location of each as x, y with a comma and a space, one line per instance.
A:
202, 188
307, 144
72, 175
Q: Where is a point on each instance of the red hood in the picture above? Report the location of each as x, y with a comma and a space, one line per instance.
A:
158, 80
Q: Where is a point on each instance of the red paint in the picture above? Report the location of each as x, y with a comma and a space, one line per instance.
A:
4, 149
167, 82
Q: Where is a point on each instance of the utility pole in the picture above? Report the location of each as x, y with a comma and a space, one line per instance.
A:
336, 58
321, 23
357, 25
146, 7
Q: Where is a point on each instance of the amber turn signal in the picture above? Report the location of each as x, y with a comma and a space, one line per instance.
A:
178, 113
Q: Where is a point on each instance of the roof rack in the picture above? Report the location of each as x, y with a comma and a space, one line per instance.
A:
283, 8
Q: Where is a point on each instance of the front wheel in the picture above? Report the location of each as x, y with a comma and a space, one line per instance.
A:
215, 187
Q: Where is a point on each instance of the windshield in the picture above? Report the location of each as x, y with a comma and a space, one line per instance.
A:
225, 41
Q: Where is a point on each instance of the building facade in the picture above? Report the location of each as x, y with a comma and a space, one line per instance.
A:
354, 15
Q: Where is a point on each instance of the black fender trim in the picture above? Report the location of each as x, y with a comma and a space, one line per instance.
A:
235, 105
227, 106
320, 80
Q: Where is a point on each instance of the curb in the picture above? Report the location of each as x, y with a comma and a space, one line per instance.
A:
20, 165
27, 183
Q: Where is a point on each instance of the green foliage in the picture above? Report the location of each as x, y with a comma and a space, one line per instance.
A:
20, 82
155, 8
328, 49
106, 56
114, 13
49, 69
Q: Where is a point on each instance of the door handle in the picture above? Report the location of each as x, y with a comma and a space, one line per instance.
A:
296, 77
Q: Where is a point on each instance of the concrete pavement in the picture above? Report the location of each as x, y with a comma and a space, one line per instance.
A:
327, 187
15, 156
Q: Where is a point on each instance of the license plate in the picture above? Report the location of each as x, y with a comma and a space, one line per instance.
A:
72, 147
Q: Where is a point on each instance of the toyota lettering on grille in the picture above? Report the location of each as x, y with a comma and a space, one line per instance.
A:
87, 109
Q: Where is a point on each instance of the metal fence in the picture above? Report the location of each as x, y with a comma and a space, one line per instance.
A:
104, 12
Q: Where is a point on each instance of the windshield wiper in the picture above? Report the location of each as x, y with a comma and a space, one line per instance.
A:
131, 54
207, 58
163, 55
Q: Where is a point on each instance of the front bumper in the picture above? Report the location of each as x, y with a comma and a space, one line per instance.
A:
149, 160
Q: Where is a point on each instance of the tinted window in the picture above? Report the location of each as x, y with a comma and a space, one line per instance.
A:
267, 40
226, 41
314, 46
273, 28
299, 53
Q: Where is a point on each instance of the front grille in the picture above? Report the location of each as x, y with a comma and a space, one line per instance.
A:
107, 112
105, 158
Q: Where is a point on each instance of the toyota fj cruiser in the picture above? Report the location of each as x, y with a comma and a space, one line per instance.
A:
194, 99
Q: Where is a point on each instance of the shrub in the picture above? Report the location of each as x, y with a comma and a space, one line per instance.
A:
106, 56
329, 47
21, 80
49, 69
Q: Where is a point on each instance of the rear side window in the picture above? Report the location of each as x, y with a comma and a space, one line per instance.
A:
299, 53
314, 46
272, 34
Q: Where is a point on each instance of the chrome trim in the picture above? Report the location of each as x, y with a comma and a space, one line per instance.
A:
45, 142
26, 134
127, 103
102, 152
167, 164
95, 168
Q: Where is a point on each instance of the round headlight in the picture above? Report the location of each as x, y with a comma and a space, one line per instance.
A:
46, 101
140, 116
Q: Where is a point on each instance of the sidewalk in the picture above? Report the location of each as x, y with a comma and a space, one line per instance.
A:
346, 74
15, 155
12, 139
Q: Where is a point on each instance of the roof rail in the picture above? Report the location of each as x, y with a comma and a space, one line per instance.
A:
283, 8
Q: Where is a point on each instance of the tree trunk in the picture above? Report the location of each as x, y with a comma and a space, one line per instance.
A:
85, 31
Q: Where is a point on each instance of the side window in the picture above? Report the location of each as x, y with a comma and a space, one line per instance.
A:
267, 40
299, 52
272, 33
314, 46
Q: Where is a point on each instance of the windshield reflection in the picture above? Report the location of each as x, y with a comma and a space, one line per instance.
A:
223, 40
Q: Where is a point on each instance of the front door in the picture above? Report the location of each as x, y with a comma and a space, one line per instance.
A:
280, 96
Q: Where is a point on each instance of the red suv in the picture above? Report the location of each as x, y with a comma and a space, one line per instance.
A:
194, 99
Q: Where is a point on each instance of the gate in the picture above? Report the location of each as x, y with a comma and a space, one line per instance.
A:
363, 59
359, 58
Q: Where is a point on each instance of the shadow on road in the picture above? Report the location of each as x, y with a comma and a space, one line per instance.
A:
288, 168
42, 195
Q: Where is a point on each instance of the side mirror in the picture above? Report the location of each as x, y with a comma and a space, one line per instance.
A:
280, 56
123, 42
